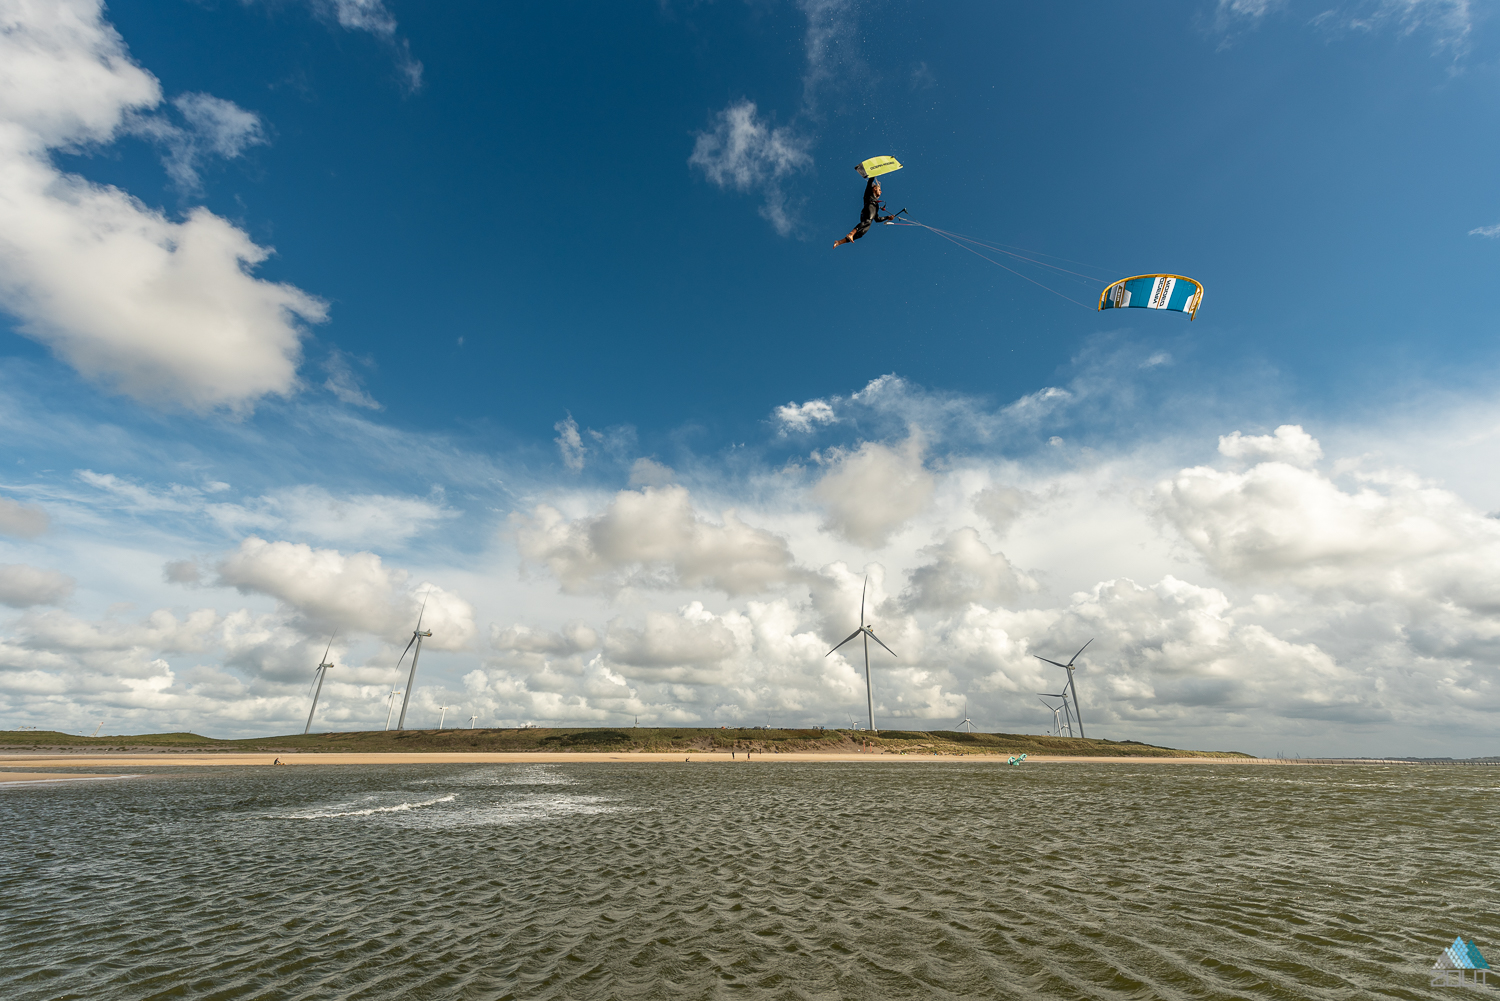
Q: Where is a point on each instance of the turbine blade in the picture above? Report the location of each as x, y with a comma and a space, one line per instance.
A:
877, 640
862, 591
1044, 660
1080, 650
406, 651
424, 609
845, 640
328, 647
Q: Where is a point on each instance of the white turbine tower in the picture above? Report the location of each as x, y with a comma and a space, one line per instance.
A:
416, 637
471, 721
443, 716
1070, 685
322, 672
869, 634
390, 706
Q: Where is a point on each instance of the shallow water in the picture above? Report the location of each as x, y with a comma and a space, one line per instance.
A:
759, 881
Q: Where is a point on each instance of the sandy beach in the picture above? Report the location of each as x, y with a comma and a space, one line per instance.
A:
170, 760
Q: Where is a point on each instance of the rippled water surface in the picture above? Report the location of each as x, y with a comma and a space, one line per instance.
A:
760, 881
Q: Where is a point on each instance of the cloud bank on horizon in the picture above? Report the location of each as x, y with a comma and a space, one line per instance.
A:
1271, 592
1244, 585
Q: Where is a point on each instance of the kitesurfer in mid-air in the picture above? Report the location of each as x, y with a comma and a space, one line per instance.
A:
870, 214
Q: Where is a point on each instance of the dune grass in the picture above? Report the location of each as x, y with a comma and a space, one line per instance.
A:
595, 739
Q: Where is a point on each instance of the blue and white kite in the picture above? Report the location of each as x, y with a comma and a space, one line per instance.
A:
1154, 292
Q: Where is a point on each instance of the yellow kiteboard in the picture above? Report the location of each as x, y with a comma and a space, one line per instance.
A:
877, 165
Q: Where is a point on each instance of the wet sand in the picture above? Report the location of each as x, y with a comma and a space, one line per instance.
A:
8, 778
128, 760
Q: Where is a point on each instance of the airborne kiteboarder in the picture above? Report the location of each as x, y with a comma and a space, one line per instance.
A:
870, 214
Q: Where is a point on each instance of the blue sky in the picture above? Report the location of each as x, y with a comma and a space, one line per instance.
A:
537, 307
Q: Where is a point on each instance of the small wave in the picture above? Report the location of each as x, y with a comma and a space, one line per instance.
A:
368, 811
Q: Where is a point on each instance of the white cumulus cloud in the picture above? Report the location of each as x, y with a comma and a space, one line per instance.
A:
1289, 444
962, 570
351, 591
163, 310
21, 520
22, 586
873, 491
744, 152
803, 417
653, 539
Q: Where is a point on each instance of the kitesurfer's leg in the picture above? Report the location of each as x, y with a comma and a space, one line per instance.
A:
855, 233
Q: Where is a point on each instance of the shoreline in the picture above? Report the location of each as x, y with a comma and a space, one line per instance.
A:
231, 759
53, 778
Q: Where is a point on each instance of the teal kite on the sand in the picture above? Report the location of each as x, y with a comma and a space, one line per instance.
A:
1174, 292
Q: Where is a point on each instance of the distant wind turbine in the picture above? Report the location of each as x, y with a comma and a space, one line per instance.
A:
390, 705
322, 672
416, 637
443, 716
1067, 709
1071, 684
869, 634
1057, 712
471, 721
966, 721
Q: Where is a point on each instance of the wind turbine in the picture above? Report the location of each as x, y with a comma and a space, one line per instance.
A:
1067, 710
967, 722
869, 634
1071, 684
97, 729
416, 637
1057, 711
443, 716
390, 705
322, 672
471, 721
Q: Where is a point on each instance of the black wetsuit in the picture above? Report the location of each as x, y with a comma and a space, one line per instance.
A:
870, 214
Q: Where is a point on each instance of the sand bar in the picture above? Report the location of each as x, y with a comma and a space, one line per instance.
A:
578, 758
10, 778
